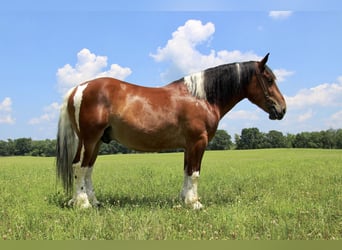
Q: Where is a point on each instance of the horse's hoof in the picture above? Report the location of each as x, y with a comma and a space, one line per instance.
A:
197, 205
81, 201
71, 203
96, 204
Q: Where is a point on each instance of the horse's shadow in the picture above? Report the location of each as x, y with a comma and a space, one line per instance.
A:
119, 201
122, 201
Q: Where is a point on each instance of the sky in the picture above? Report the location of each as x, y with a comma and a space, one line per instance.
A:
48, 47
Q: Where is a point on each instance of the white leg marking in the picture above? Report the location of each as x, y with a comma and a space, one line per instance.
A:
189, 191
89, 187
80, 198
77, 102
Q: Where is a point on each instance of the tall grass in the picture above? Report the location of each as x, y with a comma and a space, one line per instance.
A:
257, 194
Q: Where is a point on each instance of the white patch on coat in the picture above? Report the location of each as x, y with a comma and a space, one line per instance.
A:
77, 102
195, 84
238, 70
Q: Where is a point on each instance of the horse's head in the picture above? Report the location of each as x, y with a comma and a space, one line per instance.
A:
263, 91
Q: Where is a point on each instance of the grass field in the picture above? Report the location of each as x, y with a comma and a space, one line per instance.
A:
256, 194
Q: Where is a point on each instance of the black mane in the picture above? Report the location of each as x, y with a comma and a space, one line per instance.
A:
226, 81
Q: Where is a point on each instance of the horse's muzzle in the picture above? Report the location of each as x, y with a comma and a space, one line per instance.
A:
276, 112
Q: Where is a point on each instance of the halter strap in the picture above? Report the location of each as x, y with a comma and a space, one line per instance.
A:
263, 85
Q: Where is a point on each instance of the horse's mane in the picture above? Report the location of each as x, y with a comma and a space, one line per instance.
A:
220, 83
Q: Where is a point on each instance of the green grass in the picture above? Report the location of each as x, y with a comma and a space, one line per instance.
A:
257, 194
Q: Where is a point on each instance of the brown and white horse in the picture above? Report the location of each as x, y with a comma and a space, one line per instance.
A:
183, 114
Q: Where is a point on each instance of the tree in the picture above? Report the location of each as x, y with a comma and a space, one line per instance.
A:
221, 141
338, 138
275, 139
43, 148
22, 146
10, 147
328, 138
113, 148
251, 138
289, 140
4, 150
308, 140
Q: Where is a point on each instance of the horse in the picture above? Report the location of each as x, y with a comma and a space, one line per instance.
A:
183, 114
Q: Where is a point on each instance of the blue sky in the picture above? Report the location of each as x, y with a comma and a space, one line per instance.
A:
46, 48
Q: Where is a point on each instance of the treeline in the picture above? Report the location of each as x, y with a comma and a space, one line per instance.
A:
250, 138
27, 146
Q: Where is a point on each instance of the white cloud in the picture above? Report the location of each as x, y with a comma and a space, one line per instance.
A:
182, 53
243, 115
280, 14
325, 95
335, 120
88, 66
46, 124
6, 119
184, 57
281, 74
315, 108
305, 116
50, 114
6, 111
6, 105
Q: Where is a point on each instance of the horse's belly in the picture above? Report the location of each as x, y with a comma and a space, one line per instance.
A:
148, 138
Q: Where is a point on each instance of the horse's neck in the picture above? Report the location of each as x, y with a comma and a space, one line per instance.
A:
225, 108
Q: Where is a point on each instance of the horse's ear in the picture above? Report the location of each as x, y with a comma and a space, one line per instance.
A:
263, 62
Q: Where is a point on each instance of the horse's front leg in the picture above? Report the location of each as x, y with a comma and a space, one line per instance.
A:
189, 192
192, 166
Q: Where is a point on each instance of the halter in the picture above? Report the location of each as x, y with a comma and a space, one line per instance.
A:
263, 85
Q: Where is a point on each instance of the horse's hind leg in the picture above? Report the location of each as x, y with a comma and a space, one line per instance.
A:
84, 195
80, 197
88, 180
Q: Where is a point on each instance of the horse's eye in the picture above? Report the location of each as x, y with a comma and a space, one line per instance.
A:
270, 80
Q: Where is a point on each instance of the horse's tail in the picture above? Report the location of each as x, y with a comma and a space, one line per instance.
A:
66, 147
